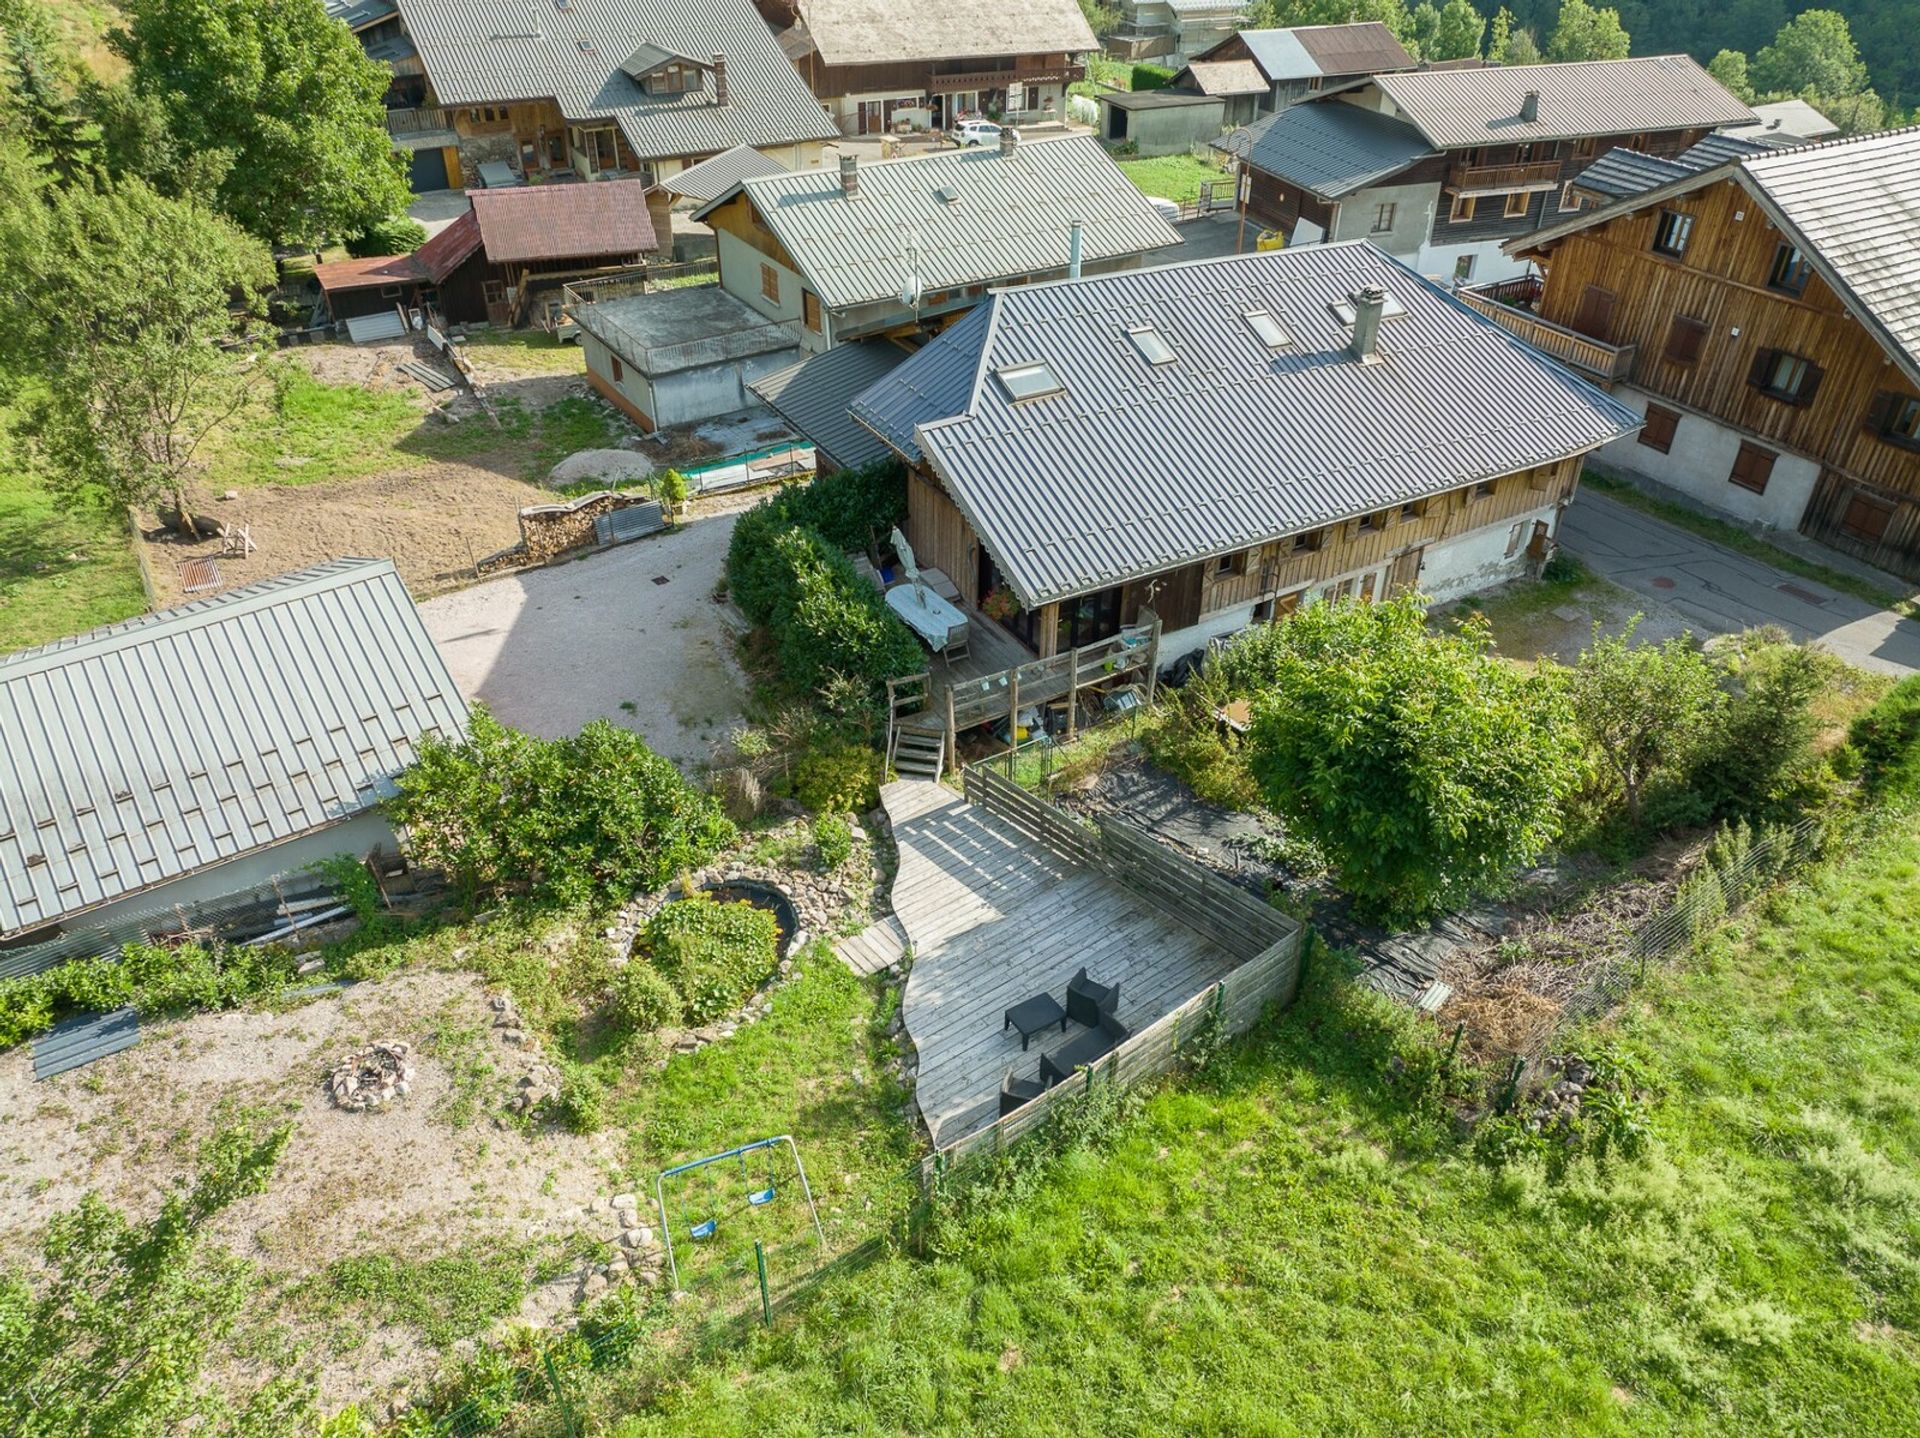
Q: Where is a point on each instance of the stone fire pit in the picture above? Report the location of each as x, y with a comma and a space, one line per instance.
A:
372, 1077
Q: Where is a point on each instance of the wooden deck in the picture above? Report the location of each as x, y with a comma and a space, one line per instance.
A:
995, 918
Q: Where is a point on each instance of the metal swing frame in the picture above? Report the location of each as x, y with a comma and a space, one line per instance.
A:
660, 1190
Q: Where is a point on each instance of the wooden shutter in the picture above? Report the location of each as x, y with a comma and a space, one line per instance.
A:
1762, 370
1177, 601
1865, 518
1657, 433
1594, 318
1809, 384
1685, 339
1752, 467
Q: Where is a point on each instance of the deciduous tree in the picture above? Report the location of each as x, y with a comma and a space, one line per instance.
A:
1813, 51
1642, 707
1459, 32
1729, 67
1586, 32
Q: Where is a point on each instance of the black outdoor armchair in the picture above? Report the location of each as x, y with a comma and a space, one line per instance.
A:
1089, 1002
1018, 1092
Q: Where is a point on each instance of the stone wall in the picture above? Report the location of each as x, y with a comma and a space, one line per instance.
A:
550, 530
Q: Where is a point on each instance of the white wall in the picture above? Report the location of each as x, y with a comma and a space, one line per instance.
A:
740, 277
1478, 559
1412, 217
1489, 262
1702, 457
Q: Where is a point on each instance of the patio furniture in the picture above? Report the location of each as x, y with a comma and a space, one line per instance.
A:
1018, 1092
926, 614
1032, 1015
1089, 1002
937, 581
1086, 1049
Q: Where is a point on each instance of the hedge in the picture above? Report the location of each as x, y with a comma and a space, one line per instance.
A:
1887, 739
152, 979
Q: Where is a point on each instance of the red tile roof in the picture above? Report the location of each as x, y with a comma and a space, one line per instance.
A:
564, 221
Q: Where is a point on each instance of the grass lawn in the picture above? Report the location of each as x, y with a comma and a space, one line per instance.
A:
527, 351
1291, 1244
1172, 177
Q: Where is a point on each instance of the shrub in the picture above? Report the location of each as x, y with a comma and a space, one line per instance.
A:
154, 980
1149, 77
714, 954
643, 1000
1642, 707
580, 1103
395, 235
838, 778
1758, 760
1886, 740
832, 840
589, 818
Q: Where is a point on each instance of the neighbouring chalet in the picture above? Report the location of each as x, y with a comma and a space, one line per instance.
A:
1306, 59
508, 254
1439, 167
1171, 32
1764, 317
1622, 172
916, 64
595, 89
1225, 440
200, 751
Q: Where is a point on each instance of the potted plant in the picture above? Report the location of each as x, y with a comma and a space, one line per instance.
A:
1000, 606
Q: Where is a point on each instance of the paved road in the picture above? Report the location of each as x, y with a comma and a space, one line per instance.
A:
1723, 591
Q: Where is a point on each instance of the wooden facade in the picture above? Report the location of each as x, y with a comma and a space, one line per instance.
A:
1704, 324
1281, 570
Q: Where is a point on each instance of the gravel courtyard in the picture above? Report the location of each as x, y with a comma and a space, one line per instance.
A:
633, 634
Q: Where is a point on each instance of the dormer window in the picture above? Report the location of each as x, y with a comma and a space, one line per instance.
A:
673, 80
1152, 345
1029, 381
1267, 329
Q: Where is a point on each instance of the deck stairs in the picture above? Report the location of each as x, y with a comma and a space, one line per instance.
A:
918, 753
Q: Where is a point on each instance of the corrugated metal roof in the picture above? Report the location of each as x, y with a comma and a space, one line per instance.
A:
1226, 77
814, 396
1333, 149
1459, 108
1009, 218
1786, 122
564, 221
1627, 172
357, 15
859, 32
1137, 468
154, 748
1280, 55
76, 1042
719, 173
1359, 49
479, 52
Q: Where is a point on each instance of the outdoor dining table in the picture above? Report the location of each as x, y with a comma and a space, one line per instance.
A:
1086, 1048
927, 614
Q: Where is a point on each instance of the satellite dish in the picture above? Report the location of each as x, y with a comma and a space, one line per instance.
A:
910, 291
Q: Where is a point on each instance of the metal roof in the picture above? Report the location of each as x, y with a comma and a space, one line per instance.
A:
692, 328
1786, 122
357, 15
151, 749
1359, 49
1460, 108
1009, 218
479, 52
859, 32
717, 174
563, 221
1280, 55
1225, 77
1334, 149
83, 1039
1134, 101
814, 395
1139, 468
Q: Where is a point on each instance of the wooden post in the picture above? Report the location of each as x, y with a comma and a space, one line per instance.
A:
1073, 692
953, 736
1153, 660
1013, 716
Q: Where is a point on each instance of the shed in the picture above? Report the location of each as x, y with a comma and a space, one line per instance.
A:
1161, 122
675, 356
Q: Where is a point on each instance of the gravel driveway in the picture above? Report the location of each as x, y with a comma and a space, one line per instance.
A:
631, 634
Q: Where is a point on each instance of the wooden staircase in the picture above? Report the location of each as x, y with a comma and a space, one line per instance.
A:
917, 753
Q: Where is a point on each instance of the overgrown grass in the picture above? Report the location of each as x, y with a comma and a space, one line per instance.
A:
1720, 531
60, 572
1298, 1243
1172, 177
446, 1298
529, 351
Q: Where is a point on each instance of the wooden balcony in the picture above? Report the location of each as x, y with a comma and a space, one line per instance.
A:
419, 120
1503, 179
959, 80
1607, 364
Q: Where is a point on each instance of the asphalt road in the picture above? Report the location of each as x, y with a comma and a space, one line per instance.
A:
1722, 591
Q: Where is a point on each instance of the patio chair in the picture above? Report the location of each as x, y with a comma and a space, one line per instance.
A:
1018, 1092
1088, 1002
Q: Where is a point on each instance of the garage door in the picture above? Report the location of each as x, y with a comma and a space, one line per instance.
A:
429, 170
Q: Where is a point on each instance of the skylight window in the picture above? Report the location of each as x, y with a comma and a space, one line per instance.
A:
1343, 310
948, 194
1029, 381
1152, 345
1267, 329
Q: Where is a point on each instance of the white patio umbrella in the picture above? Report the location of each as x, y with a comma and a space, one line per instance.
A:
909, 566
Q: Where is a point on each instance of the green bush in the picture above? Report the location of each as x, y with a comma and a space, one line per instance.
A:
395, 235
643, 1000
587, 819
1758, 760
1149, 77
1886, 741
838, 778
152, 979
832, 840
580, 1106
714, 954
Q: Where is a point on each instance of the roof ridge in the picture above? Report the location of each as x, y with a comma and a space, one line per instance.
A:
867, 167
1832, 143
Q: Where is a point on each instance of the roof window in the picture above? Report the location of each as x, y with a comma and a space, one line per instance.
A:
1029, 381
1152, 345
948, 194
1267, 329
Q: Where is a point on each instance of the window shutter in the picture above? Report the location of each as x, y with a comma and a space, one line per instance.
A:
1686, 339
1762, 364
1880, 412
1810, 386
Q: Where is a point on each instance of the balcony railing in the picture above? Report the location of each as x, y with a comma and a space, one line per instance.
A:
958, 80
421, 119
1503, 179
1604, 362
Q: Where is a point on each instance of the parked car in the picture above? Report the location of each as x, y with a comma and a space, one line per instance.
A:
1166, 208
976, 132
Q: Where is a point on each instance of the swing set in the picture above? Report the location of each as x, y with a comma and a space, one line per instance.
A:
705, 1229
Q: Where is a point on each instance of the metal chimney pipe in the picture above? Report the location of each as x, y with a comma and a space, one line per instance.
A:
1530, 106
850, 175
1076, 238
1009, 139
719, 79
1368, 304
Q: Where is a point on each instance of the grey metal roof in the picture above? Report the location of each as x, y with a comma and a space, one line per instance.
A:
856, 32
359, 14
1459, 108
1627, 172
480, 52
1718, 148
1786, 122
813, 397
137, 753
1334, 149
1280, 55
1009, 218
717, 174
1136, 469
1361, 48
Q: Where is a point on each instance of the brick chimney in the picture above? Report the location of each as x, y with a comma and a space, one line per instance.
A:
1368, 305
850, 175
1009, 139
719, 79
1530, 106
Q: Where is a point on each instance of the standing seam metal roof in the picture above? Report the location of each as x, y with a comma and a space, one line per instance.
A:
1335, 149
480, 52
717, 174
148, 750
1009, 218
814, 396
1137, 469
1459, 108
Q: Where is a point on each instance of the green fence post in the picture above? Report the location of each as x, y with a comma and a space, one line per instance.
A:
760, 1259
559, 1393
